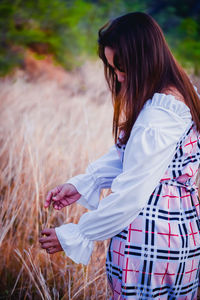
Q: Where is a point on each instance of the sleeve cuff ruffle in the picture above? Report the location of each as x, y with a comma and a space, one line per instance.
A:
86, 186
76, 247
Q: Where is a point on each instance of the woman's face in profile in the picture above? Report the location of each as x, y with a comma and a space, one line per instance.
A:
109, 54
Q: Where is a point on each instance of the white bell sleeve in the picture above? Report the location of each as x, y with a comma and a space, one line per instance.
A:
99, 174
148, 153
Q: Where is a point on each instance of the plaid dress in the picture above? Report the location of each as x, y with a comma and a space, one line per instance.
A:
158, 254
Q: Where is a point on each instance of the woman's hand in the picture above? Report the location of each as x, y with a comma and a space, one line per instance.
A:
61, 196
50, 243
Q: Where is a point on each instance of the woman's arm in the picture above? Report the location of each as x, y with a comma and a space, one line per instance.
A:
148, 153
99, 174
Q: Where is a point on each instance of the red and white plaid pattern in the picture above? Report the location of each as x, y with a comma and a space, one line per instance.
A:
158, 255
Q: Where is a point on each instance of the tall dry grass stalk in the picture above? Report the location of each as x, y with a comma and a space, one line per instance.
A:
50, 130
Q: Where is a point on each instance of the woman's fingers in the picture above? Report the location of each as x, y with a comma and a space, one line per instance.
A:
58, 205
53, 250
45, 239
50, 243
47, 245
47, 231
59, 196
50, 195
48, 199
62, 196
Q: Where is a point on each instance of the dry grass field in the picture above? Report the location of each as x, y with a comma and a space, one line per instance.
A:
52, 125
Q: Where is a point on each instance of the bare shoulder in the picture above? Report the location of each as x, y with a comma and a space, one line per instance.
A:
174, 92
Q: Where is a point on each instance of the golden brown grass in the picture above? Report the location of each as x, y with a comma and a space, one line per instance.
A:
51, 127
50, 130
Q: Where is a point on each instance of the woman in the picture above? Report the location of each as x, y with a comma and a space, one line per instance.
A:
152, 212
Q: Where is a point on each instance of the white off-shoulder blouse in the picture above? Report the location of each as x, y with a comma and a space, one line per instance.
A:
148, 152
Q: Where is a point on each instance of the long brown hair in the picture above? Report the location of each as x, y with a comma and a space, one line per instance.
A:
141, 51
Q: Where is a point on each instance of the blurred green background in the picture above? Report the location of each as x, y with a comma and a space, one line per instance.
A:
67, 29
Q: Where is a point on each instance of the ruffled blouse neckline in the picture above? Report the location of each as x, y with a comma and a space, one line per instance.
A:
169, 102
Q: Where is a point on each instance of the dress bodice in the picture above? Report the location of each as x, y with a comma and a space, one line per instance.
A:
185, 164
184, 167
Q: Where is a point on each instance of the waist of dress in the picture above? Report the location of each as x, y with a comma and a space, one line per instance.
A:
190, 187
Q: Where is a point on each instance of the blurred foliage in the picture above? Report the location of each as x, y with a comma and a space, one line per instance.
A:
189, 47
67, 29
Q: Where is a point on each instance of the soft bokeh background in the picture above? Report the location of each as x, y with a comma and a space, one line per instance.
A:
56, 117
